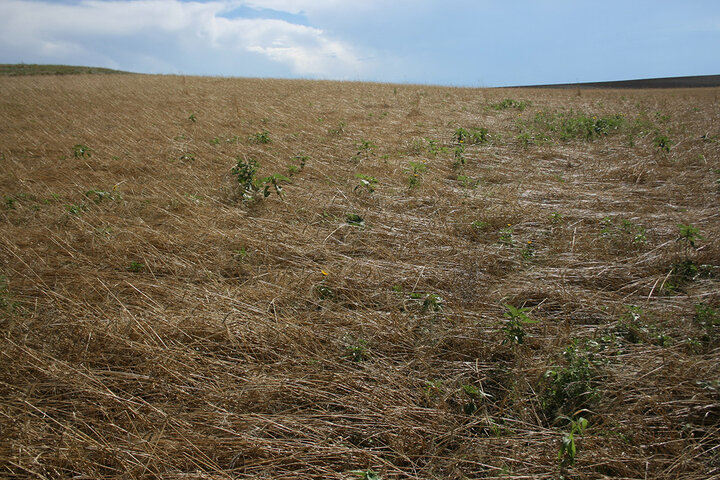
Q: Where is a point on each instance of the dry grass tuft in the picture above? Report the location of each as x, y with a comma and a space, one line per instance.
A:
155, 325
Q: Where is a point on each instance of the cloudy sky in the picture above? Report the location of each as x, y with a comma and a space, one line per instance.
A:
448, 42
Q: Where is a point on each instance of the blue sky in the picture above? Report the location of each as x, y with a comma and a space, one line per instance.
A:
460, 43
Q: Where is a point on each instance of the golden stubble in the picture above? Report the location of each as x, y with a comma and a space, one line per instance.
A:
171, 330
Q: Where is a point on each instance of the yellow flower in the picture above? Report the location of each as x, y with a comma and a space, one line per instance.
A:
324, 273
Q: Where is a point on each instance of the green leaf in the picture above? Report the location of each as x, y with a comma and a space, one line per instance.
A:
471, 390
355, 219
366, 474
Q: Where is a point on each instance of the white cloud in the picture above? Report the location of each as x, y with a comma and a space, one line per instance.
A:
307, 50
46, 30
335, 7
300, 6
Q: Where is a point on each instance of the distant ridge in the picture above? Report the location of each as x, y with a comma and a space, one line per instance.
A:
18, 69
670, 82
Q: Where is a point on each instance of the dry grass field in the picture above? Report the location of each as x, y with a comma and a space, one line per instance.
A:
452, 285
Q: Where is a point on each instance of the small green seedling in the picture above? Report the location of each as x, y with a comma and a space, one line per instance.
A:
241, 254
480, 226
82, 151
708, 318
357, 351
75, 208
434, 388
475, 397
663, 143
636, 232
432, 303
459, 156
568, 448
339, 130
366, 474
365, 149
245, 171
688, 235
135, 267
506, 235
528, 251
433, 148
301, 159
366, 181
99, 195
626, 231
472, 136
526, 139
324, 292
415, 171
355, 220
661, 117
224, 139
513, 327
417, 167
510, 103
260, 137
573, 386
681, 273
468, 182
273, 181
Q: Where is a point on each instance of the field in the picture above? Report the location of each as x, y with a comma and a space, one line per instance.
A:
232, 278
23, 69
696, 81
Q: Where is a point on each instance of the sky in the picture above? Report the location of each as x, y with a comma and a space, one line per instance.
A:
474, 43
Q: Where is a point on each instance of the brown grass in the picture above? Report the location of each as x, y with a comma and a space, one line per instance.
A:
139, 342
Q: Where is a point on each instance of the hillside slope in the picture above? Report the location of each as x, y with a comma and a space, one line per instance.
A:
24, 69
697, 81
450, 278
